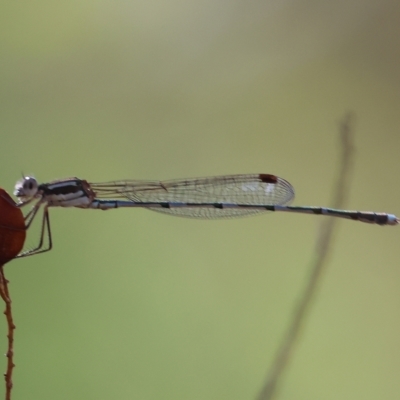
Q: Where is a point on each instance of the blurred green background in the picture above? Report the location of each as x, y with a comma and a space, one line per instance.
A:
136, 305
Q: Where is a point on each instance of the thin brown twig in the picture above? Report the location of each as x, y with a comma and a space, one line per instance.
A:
4, 293
12, 238
318, 266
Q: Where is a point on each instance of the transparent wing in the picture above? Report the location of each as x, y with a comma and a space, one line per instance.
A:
258, 189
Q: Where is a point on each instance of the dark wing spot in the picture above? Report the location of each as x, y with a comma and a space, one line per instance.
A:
266, 178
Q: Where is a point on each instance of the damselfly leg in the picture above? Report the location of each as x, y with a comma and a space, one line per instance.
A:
44, 230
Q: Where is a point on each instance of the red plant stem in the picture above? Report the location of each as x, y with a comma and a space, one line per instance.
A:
10, 336
12, 238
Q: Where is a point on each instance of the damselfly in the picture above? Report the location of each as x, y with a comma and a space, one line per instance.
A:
212, 197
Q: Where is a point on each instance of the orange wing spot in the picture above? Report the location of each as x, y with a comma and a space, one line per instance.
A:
12, 228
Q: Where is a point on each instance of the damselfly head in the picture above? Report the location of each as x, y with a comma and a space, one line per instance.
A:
26, 188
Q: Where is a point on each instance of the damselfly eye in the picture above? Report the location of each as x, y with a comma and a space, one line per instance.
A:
26, 187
